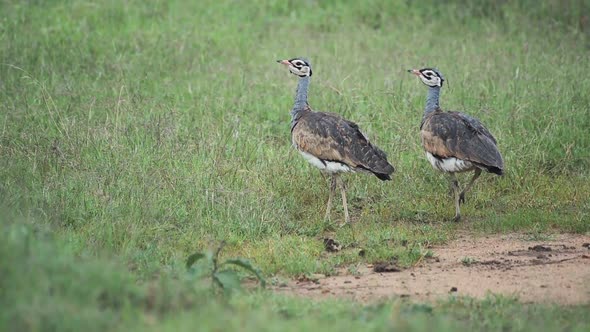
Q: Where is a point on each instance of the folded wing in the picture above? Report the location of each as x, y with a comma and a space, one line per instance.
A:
454, 134
329, 137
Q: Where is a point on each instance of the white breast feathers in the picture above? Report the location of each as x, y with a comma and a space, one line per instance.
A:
326, 166
451, 165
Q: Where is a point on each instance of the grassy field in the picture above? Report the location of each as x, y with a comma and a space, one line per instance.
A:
134, 133
46, 288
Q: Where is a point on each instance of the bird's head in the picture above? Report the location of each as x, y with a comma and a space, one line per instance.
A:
429, 76
297, 66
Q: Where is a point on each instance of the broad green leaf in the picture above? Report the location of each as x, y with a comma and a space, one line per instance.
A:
193, 258
209, 256
228, 280
244, 263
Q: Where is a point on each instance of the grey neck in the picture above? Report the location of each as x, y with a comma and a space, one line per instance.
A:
300, 105
432, 100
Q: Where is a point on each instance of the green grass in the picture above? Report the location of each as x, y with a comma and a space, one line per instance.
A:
45, 287
147, 131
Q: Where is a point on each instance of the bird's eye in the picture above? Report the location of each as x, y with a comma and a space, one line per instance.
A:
429, 75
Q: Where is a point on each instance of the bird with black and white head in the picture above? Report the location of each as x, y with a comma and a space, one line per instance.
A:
298, 66
429, 76
329, 142
455, 142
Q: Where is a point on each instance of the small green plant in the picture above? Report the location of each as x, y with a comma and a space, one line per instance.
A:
468, 261
221, 275
354, 270
414, 254
537, 236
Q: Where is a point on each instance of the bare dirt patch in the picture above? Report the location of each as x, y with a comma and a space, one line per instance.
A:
554, 271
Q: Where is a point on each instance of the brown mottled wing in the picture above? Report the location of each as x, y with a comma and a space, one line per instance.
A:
454, 134
331, 138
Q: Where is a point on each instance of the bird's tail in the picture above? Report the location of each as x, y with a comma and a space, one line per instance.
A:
382, 176
376, 163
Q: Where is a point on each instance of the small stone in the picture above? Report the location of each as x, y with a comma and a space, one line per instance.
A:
540, 248
332, 245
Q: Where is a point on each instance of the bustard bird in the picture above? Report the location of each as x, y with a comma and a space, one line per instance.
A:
455, 142
330, 142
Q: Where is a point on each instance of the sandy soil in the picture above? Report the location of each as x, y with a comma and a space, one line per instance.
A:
556, 271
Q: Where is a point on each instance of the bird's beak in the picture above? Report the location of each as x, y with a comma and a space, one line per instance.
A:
414, 71
284, 62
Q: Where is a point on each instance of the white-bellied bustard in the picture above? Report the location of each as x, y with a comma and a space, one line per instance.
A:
455, 142
330, 142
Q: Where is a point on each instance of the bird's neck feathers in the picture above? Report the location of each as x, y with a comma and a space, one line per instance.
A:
432, 100
300, 107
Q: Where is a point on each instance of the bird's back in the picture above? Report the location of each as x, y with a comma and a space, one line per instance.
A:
331, 138
457, 135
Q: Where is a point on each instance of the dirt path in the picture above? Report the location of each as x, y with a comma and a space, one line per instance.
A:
556, 271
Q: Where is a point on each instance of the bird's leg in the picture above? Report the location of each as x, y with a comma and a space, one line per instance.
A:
469, 185
344, 203
333, 179
456, 189
451, 189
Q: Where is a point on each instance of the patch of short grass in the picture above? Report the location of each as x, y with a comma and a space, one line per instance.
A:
150, 130
45, 286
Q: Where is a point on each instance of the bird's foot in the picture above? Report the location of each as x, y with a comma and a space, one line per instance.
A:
345, 223
457, 218
451, 192
327, 215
